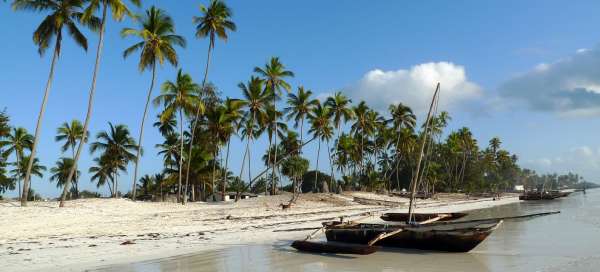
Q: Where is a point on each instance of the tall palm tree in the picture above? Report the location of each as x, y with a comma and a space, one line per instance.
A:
214, 23
341, 112
402, 117
169, 149
299, 107
62, 14
60, 172
179, 97
118, 146
157, 32
321, 129
234, 112
278, 130
17, 142
362, 128
255, 99
166, 127
274, 74
118, 9
20, 169
4, 127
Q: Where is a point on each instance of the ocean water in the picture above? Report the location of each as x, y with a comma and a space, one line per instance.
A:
569, 241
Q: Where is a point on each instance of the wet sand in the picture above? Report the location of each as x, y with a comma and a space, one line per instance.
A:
569, 241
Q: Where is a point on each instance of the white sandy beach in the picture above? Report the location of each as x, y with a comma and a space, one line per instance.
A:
90, 233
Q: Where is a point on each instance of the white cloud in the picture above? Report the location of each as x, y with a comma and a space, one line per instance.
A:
582, 160
569, 86
414, 87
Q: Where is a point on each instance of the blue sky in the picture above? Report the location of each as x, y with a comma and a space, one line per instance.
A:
510, 69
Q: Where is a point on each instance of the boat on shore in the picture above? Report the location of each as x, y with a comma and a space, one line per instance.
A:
528, 196
438, 236
422, 217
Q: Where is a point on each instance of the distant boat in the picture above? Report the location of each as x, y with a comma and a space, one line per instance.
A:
421, 217
438, 236
538, 196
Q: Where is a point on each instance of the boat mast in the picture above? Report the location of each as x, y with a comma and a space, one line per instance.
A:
416, 176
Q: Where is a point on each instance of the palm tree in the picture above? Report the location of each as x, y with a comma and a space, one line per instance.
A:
339, 108
4, 127
157, 32
169, 149
402, 117
118, 9
362, 128
321, 129
214, 22
255, 99
20, 169
102, 172
166, 127
63, 13
181, 96
60, 172
17, 142
278, 130
233, 110
274, 74
117, 145
300, 106
70, 134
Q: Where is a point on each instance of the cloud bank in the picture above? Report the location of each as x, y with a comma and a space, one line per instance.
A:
583, 160
570, 86
414, 87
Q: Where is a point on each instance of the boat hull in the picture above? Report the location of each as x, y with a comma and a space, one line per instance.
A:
419, 217
442, 236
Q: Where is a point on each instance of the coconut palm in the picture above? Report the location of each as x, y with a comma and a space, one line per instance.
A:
320, 127
169, 149
233, 110
214, 23
299, 107
62, 14
70, 134
20, 170
278, 130
16, 143
402, 117
157, 32
116, 146
179, 97
341, 112
4, 127
274, 74
361, 127
255, 100
166, 127
119, 10
60, 172
103, 172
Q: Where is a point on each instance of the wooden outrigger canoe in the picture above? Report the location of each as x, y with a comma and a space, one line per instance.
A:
421, 217
438, 236
537, 196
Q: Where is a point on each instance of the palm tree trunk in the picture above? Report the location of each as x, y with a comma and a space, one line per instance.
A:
225, 171
116, 184
38, 127
275, 144
181, 155
18, 179
269, 163
109, 188
398, 162
331, 166
197, 115
215, 169
89, 109
317, 166
139, 150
